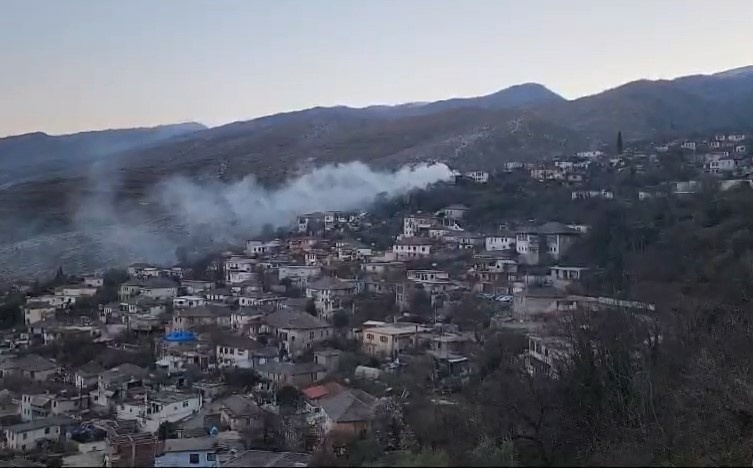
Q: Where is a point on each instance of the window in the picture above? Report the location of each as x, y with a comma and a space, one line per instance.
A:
211, 456
311, 335
47, 431
24, 436
193, 458
383, 339
370, 336
185, 403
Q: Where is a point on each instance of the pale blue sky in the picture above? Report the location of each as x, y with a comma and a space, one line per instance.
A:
70, 65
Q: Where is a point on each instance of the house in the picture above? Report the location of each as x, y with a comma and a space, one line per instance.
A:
238, 413
390, 340
37, 311
545, 354
383, 268
255, 247
30, 366
299, 375
455, 211
311, 223
418, 224
589, 154
464, 239
347, 413
479, 177
130, 288
537, 301
239, 269
141, 270
717, 164
299, 275
553, 238
94, 281
159, 288
410, 248
193, 287
427, 275
499, 242
236, 351
328, 293
114, 384
188, 301
561, 276
207, 315
188, 452
36, 406
25, 436
592, 194
87, 376
688, 145
736, 137
160, 407
129, 449
296, 331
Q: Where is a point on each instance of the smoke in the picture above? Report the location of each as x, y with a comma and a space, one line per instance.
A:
239, 210
109, 230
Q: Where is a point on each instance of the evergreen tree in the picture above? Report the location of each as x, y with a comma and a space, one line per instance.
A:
619, 142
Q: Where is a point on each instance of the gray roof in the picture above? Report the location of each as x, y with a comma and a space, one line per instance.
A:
160, 282
30, 362
41, 423
238, 341
204, 311
289, 319
239, 406
126, 371
550, 228
203, 443
256, 458
329, 283
353, 405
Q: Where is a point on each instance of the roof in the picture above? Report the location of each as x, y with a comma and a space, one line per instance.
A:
456, 207
288, 368
40, 423
352, 405
203, 443
256, 458
240, 406
329, 283
38, 304
169, 397
159, 282
90, 369
323, 390
30, 362
237, 341
288, 319
126, 371
204, 311
413, 242
396, 330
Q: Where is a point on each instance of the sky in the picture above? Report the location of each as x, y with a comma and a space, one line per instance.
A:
73, 65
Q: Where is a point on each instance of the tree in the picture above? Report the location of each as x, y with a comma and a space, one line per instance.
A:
311, 307
619, 142
341, 319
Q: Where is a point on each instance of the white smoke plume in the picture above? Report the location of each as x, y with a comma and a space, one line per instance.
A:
241, 209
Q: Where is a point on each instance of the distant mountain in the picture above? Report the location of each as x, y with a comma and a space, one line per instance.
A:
514, 97
35, 155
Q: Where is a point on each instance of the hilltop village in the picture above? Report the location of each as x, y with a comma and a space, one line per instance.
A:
416, 331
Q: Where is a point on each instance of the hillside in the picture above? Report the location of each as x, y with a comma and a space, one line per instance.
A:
38, 154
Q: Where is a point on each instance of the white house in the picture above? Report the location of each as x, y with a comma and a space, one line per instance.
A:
736, 137
193, 287
408, 248
255, 247
328, 293
236, 351
592, 194
688, 145
427, 275
188, 452
95, 281
478, 176
499, 242
455, 211
589, 154
188, 301
25, 436
158, 408
37, 311
297, 331
159, 288
299, 274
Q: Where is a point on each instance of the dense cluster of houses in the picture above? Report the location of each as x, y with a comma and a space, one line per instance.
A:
281, 309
